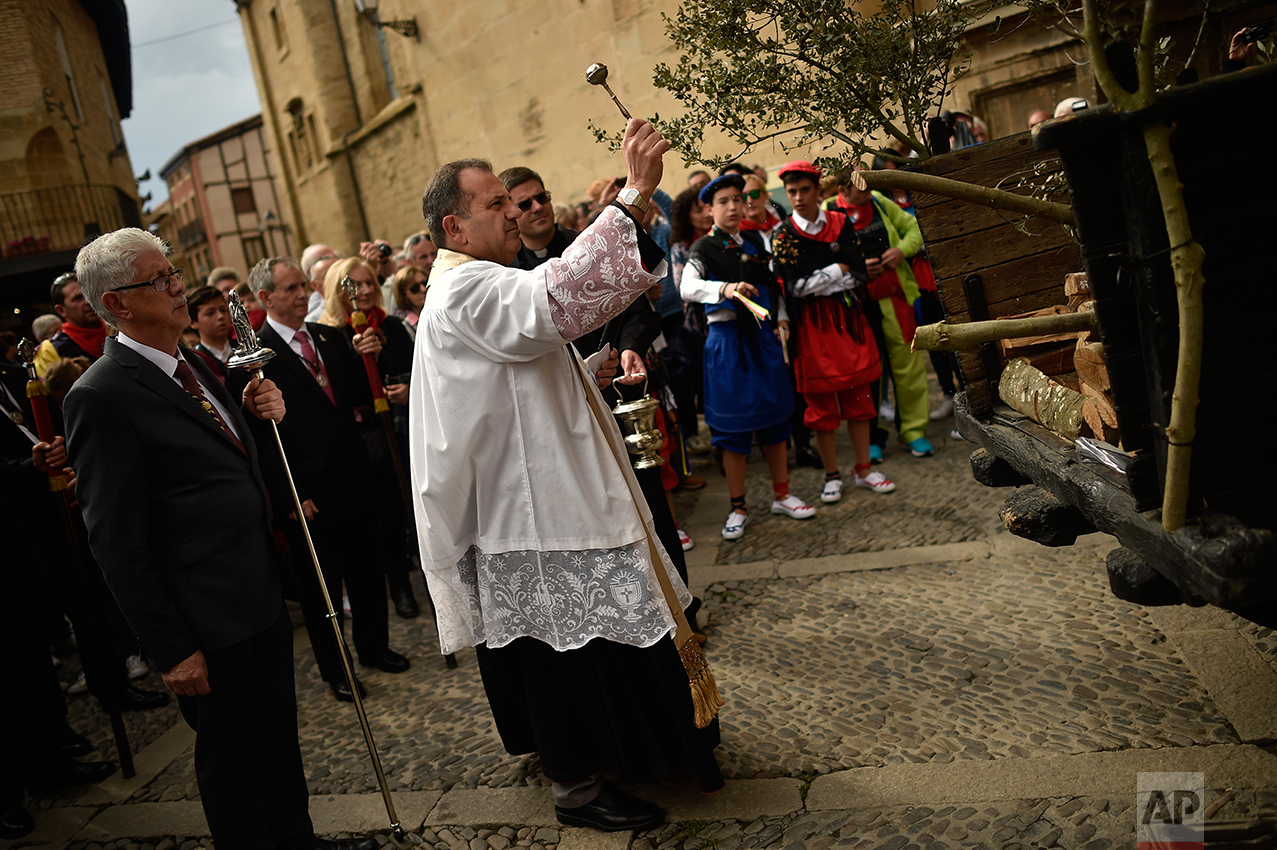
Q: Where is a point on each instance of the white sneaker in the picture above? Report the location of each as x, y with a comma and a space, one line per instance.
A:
685, 539
943, 409
877, 482
793, 506
79, 686
137, 667
734, 529
832, 491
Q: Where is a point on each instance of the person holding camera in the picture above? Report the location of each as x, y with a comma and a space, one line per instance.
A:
889, 237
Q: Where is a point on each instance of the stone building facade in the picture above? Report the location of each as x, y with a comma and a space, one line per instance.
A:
364, 114
362, 130
65, 83
224, 202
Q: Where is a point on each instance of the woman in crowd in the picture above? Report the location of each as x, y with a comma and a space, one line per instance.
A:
410, 296
395, 366
758, 212
689, 221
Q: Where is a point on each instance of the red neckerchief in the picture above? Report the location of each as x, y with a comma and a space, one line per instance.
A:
750, 224
834, 221
89, 339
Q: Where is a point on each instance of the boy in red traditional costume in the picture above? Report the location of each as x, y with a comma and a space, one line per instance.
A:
818, 257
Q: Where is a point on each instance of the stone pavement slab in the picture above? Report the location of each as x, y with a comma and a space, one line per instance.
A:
141, 820
1240, 681
1081, 775
495, 807
148, 764
57, 826
883, 560
740, 799
588, 839
362, 813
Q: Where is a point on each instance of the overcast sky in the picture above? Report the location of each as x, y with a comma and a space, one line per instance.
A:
184, 87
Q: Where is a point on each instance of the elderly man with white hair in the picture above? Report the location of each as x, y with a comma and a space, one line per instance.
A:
179, 519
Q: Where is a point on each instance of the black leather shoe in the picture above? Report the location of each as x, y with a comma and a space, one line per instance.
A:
15, 823
133, 698
345, 844
405, 603
613, 811
341, 690
807, 456
72, 772
74, 745
390, 661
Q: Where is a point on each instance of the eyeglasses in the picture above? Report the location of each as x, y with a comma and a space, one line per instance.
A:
542, 198
420, 237
160, 284
753, 194
416, 288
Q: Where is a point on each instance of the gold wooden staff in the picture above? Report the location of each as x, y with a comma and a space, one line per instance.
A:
382, 408
94, 654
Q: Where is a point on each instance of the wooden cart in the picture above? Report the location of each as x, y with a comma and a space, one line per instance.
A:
987, 268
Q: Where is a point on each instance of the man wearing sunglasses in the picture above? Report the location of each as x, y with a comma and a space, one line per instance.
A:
542, 238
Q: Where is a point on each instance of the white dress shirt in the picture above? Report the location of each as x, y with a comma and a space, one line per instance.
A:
167, 364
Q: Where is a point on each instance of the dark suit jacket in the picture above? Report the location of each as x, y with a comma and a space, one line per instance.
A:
325, 451
179, 518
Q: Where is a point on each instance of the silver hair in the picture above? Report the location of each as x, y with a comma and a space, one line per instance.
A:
313, 254
262, 277
110, 261
45, 325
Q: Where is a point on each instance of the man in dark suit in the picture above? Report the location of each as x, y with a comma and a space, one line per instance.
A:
321, 373
179, 520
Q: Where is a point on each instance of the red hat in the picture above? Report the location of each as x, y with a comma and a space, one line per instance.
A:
801, 166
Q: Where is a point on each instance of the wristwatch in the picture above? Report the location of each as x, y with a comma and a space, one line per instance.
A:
632, 198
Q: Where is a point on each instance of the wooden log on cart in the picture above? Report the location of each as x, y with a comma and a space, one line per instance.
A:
1045, 401
1088, 362
1035, 514
969, 336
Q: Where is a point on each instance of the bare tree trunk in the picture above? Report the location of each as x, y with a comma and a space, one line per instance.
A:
1186, 262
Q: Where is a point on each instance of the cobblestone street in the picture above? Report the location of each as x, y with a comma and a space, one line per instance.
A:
899, 672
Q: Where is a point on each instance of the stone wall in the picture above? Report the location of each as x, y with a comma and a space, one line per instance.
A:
31, 157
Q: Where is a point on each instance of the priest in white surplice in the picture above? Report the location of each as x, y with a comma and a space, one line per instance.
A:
532, 534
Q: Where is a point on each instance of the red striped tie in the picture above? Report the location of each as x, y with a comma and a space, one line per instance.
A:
315, 365
184, 374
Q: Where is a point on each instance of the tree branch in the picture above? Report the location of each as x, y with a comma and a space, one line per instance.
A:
1112, 89
997, 199
1144, 59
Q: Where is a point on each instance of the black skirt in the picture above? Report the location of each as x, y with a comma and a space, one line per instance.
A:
606, 707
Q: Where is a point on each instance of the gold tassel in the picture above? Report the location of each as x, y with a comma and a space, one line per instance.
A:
706, 700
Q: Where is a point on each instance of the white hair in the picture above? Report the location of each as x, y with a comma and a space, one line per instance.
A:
110, 261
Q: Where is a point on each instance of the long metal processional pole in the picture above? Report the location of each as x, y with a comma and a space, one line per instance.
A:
252, 356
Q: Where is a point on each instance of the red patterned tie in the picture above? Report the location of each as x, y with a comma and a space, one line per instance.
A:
315, 365
184, 374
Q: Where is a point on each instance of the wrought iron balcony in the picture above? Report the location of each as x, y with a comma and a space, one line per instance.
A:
62, 218
191, 233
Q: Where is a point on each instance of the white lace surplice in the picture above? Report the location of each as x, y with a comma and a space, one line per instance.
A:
528, 525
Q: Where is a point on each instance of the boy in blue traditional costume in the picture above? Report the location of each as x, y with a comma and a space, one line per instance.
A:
747, 391
819, 258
